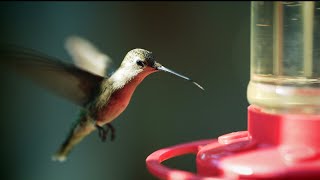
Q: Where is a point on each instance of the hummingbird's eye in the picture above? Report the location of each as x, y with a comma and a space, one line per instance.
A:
140, 63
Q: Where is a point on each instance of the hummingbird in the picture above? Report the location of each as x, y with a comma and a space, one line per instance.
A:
102, 95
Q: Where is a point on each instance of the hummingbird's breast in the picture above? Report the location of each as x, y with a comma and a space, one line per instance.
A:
118, 102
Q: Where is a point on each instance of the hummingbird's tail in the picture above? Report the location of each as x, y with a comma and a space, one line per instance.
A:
81, 129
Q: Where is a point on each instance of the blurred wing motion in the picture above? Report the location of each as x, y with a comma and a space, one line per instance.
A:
87, 57
61, 78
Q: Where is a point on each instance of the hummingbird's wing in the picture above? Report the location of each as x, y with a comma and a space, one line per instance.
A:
87, 57
61, 78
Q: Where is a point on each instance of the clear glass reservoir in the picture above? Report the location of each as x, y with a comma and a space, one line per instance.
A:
285, 56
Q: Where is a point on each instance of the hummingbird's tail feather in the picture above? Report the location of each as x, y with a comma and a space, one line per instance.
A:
79, 131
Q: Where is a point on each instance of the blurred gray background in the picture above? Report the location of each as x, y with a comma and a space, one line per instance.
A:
207, 41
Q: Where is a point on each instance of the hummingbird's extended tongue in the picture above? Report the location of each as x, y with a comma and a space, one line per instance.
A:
162, 68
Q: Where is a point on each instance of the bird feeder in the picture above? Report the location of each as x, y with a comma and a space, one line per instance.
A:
282, 140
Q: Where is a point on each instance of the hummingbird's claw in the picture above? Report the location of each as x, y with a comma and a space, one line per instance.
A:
113, 131
103, 133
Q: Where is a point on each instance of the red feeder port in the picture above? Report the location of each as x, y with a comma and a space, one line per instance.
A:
285, 146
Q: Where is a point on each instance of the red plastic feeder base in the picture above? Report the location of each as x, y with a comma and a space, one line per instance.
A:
276, 146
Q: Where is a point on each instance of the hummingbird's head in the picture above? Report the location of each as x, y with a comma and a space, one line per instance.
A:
141, 62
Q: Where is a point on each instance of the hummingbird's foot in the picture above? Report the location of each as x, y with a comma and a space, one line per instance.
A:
103, 133
113, 131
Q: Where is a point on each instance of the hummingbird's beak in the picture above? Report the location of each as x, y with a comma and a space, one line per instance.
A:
162, 68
